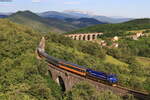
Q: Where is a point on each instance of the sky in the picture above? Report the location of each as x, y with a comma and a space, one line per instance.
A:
123, 8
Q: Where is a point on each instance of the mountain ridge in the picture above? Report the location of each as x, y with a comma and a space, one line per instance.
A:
41, 24
47, 24
55, 14
77, 15
101, 18
82, 22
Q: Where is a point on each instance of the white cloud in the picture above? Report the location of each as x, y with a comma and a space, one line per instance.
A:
72, 2
36, 0
81, 11
7, 5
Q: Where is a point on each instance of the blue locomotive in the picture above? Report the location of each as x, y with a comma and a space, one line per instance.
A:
110, 78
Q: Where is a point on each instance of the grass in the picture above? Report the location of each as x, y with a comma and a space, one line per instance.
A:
135, 31
112, 60
144, 61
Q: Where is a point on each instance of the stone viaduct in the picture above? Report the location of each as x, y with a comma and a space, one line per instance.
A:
84, 36
67, 80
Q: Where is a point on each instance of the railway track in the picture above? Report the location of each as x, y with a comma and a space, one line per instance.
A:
138, 94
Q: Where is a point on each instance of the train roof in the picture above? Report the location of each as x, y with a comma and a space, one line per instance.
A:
50, 57
53, 58
63, 61
100, 72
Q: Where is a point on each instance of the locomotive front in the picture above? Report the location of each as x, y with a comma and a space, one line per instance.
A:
112, 79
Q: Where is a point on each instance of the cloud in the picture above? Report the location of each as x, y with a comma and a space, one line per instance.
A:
36, 0
72, 2
7, 5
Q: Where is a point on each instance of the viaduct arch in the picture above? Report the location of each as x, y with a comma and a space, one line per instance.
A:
84, 36
61, 83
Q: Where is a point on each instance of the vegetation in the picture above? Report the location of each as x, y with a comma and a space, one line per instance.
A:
110, 59
23, 77
144, 61
84, 91
140, 47
19, 75
129, 49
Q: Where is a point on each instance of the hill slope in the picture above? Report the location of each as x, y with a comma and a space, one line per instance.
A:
19, 76
23, 77
83, 22
139, 21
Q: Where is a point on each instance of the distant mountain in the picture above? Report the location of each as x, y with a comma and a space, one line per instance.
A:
76, 15
61, 24
112, 20
3, 16
79, 14
140, 21
104, 19
41, 24
55, 14
83, 22
75, 20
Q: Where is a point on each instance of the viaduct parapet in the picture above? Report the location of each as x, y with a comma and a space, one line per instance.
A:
84, 36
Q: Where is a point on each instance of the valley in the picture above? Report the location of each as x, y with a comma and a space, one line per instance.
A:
22, 76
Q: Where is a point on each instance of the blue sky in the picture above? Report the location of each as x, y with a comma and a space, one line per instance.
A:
124, 8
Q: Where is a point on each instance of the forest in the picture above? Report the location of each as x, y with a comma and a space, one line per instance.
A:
23, 77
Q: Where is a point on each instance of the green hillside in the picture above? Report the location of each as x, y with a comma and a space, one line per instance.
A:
117, 29
144, 61
40, 24
139, 21
112, 60
23, 77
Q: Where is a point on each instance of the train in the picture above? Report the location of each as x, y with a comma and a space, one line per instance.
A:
79, 70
